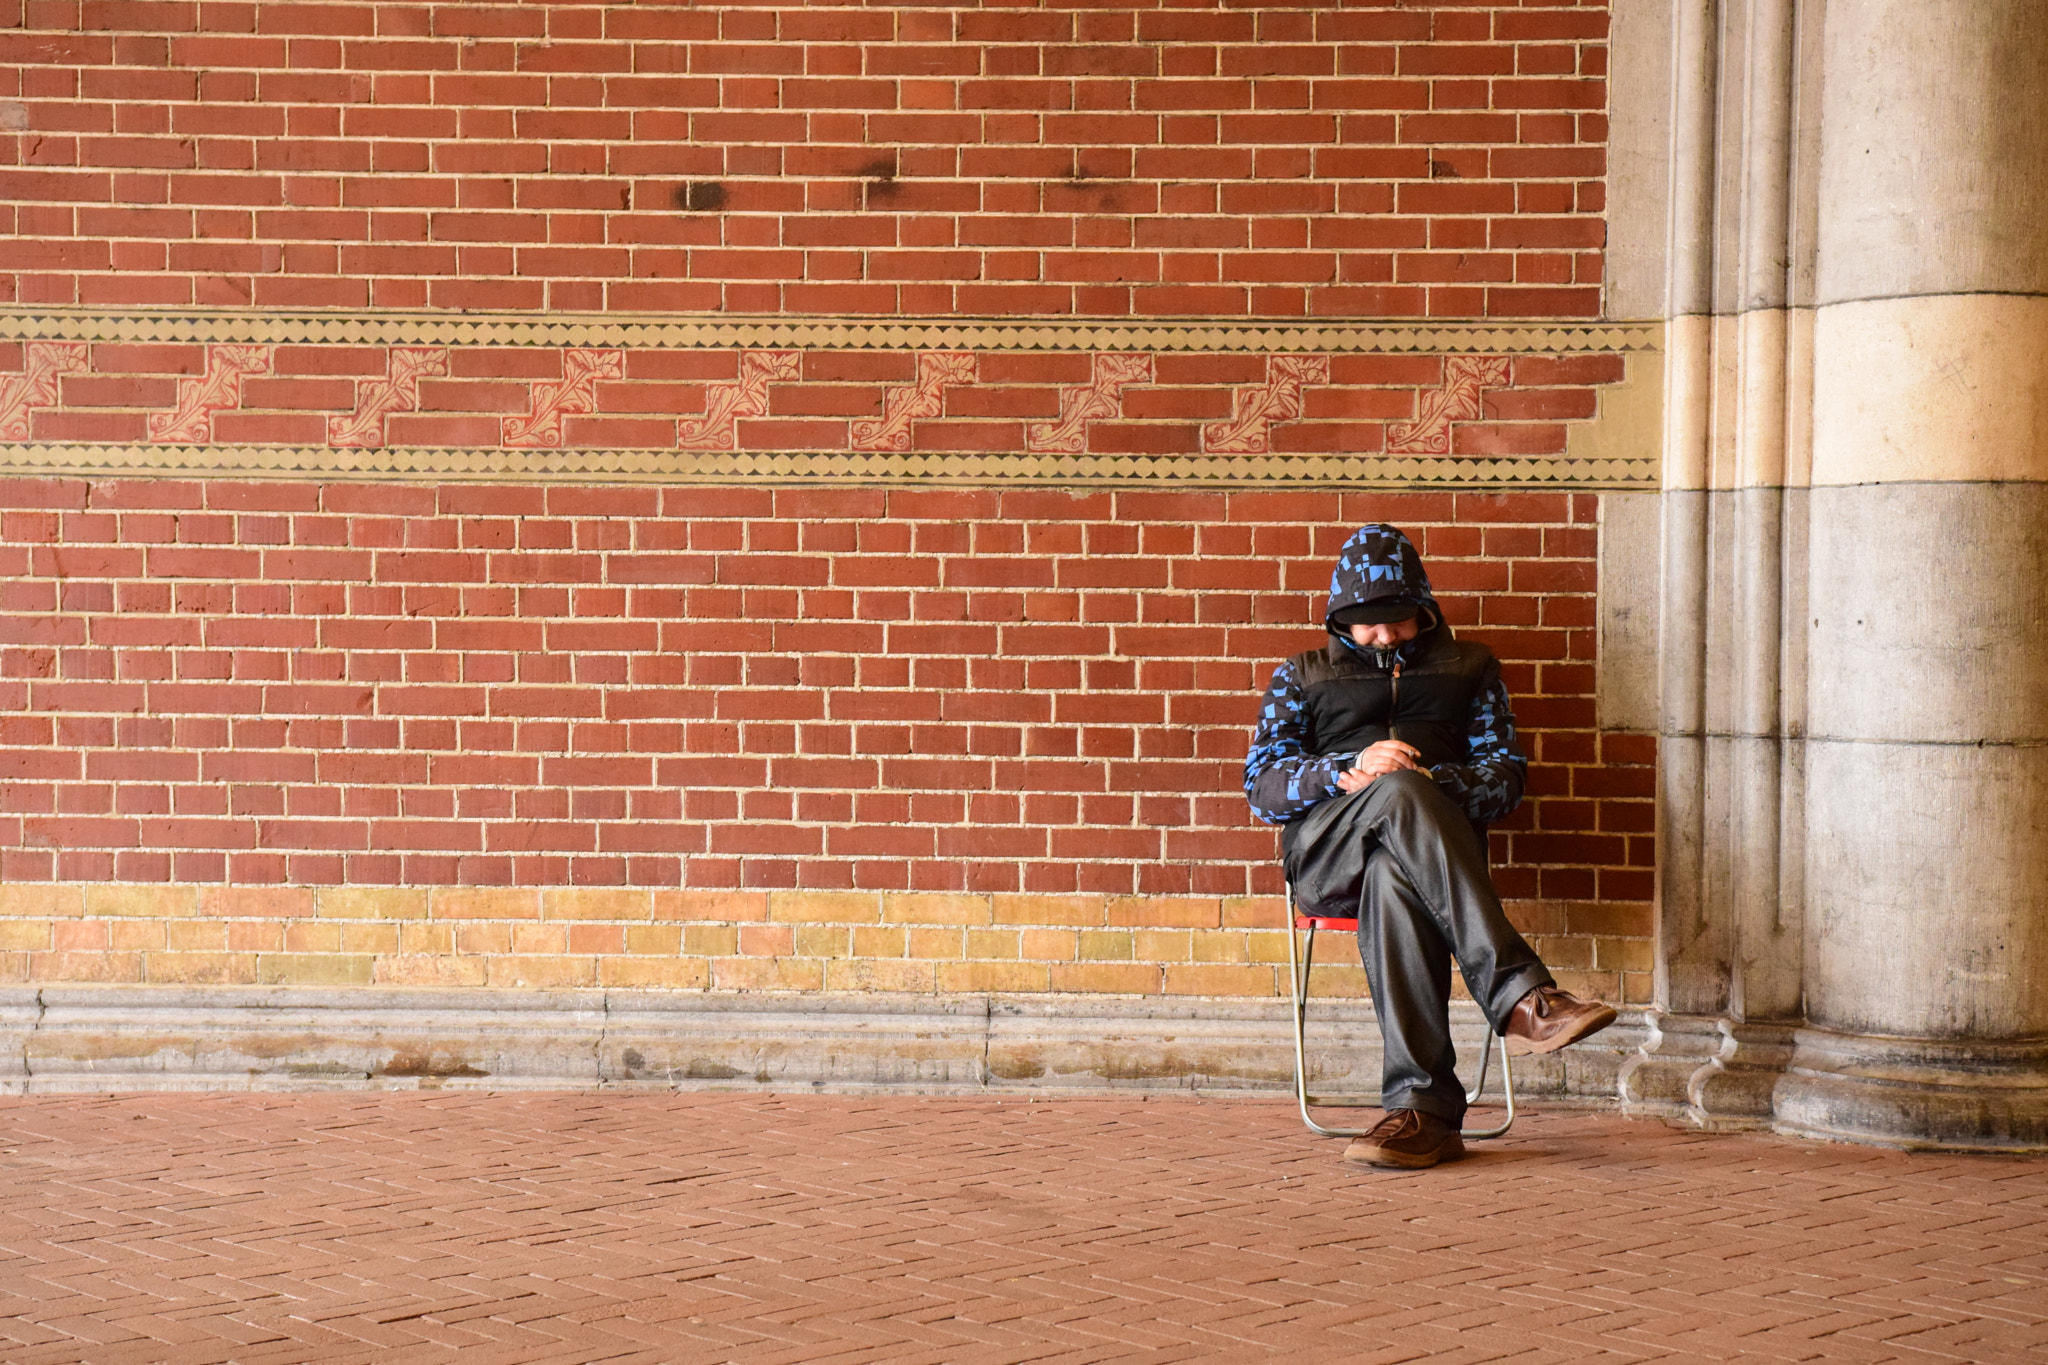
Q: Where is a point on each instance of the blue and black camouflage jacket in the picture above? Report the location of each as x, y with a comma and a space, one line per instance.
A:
1325, 706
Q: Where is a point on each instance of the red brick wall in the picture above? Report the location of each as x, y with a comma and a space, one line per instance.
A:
1016, 701
1397, 160
829, 688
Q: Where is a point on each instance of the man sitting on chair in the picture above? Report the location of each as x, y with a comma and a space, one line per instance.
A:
1382, 755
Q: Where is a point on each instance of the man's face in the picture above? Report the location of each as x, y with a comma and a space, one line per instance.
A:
1387, 634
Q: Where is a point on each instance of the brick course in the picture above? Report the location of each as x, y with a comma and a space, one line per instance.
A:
1121, 159
915, 942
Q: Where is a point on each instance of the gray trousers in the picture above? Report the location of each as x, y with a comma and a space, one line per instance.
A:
1406, 861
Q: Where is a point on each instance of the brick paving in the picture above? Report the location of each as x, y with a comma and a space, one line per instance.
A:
742, 1227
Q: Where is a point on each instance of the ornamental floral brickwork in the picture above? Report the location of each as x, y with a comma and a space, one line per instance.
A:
349, 396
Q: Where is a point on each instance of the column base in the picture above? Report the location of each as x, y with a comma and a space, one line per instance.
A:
1916, 1093
1733, 1091
1655, 1080
1707, 1072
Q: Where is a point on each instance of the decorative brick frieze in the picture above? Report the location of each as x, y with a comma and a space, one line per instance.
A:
1055, 406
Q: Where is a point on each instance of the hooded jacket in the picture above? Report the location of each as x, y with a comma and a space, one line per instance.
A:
1439, 693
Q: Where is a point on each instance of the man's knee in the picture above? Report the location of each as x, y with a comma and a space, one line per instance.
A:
1409, 787
1413, 802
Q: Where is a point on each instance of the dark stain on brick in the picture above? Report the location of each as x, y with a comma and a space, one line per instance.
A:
700, 196
880, 175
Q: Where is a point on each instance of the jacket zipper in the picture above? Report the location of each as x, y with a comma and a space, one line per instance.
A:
1394, 704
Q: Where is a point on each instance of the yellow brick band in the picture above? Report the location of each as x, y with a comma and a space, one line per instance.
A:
729, 940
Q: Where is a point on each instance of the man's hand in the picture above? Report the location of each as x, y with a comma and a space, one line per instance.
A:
1387, 756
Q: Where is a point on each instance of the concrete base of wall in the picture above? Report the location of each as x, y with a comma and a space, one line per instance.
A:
58, 1039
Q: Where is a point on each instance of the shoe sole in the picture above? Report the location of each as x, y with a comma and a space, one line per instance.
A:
1410, 1161
1586, 1028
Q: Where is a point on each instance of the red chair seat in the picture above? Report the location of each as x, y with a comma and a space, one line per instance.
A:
1345, 925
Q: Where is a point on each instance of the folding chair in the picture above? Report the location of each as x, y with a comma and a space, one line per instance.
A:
1299, 959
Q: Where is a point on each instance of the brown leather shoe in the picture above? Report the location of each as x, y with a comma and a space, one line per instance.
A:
1547, 1019
1407, 1138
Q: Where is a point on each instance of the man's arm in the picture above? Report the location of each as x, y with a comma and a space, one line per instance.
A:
1282, 779
1488, 784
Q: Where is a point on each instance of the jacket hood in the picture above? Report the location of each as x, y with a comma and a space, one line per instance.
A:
1379, 564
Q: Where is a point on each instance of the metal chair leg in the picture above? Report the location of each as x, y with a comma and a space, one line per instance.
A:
1507, 1086
1298, 963
1300, 959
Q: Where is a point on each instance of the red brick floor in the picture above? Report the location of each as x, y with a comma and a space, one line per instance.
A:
716, 1227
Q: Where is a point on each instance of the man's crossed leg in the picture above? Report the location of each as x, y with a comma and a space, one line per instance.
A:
1405, 860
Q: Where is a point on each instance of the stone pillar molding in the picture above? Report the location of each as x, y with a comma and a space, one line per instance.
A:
1738, 344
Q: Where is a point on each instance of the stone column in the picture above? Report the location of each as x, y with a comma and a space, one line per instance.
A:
1926, 795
